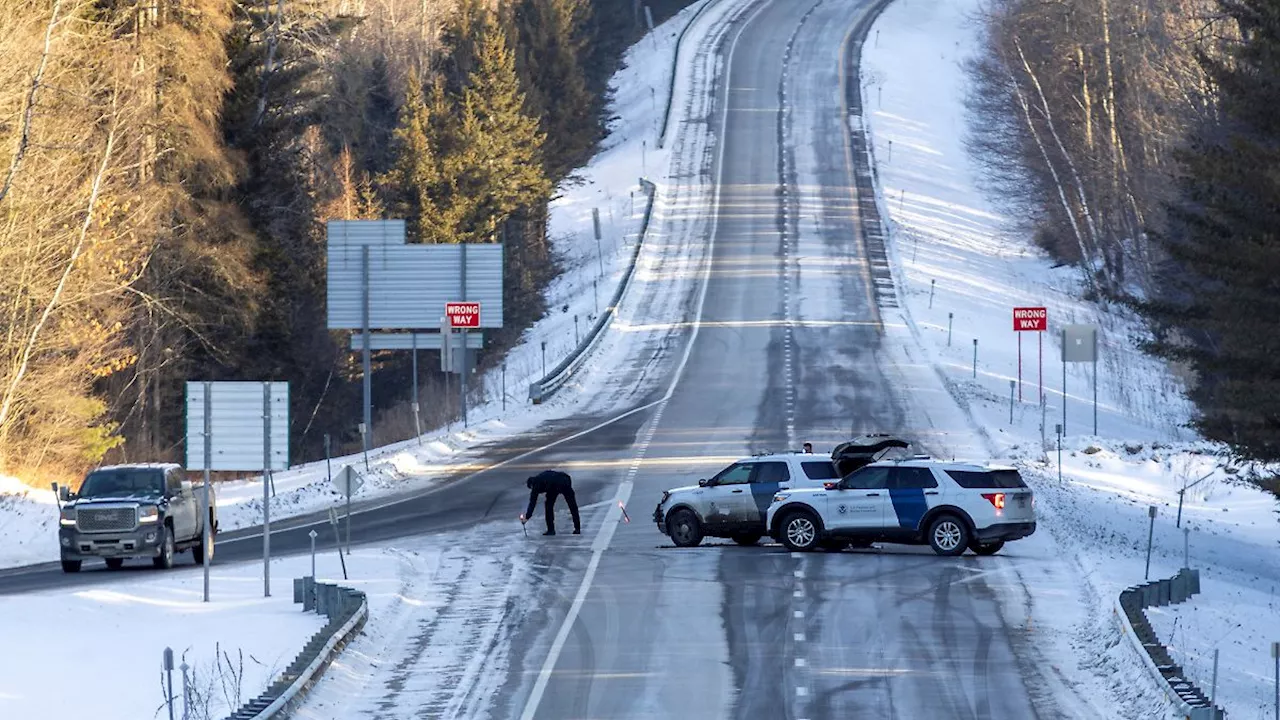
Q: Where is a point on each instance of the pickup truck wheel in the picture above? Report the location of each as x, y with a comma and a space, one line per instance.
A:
164, 560
71, 566
114, 563
198, 550
799, 531
684, 528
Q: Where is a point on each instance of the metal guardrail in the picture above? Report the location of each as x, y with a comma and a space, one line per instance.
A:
1130, 614
347, 611
675, 69
544, 388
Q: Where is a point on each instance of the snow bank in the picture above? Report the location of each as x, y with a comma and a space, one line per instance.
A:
959, 272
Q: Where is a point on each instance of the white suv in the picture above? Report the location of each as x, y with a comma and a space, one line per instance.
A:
950, 506
733, 503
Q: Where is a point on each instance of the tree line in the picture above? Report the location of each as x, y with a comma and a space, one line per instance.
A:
168, 167
1141, 140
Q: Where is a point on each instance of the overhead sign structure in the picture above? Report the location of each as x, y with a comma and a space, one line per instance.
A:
463, 314
240, 426
407, 285
375, 280
1030, 319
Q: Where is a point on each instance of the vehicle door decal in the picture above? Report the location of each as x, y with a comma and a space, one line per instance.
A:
909, 505
763, 494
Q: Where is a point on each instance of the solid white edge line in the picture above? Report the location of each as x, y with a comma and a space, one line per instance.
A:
605, 536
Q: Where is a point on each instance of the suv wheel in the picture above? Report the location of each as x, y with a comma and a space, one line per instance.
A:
71, 566
747, 539
990, 548
684, 528
164, 560
800, 531
114, 563
948, 535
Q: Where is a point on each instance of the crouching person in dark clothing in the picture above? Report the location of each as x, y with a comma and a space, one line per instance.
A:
554, 483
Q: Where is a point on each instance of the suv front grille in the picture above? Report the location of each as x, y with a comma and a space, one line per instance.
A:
112, 519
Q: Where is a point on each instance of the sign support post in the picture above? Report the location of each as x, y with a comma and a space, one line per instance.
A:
1030, 319
417, 418
464, 383
208, 462
366, 363
266, 487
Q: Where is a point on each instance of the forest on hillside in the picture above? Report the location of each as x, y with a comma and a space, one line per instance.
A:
1141, 142
168, 166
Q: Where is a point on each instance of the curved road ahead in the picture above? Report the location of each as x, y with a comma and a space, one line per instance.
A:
787, 349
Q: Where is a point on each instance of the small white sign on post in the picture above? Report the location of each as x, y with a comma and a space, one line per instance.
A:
347, 482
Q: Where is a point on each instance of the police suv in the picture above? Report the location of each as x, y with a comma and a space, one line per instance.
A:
950, 506
733, 503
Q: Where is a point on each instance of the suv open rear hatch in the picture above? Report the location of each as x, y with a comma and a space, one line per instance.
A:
864, 450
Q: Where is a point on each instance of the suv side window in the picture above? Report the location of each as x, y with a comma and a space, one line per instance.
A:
824, 470
912, 478
771, 472
736, 474
868, 478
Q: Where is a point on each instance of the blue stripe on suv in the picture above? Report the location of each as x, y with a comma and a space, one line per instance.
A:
763, 494
909, 505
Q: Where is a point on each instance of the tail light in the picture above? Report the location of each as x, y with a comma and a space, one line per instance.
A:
996, 500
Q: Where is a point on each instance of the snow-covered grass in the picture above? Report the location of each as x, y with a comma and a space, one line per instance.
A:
958, 262
96, 652
591, 272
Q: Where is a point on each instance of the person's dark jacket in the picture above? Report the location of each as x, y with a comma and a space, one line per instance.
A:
551, 482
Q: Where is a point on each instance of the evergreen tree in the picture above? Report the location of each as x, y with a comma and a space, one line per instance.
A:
494, 163
415, 176
553, 48
1219, 301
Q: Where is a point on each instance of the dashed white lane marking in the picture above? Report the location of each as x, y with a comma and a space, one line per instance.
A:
798, 593
796, 555
800, 574
799, 614
802, 691
799, 637
800, 662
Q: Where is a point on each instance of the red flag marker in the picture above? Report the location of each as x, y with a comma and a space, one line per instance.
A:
623, 508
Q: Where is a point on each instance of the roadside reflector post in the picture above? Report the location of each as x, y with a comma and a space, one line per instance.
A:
950, 316
1057, 429
933, 284
1012, 383
168, 672
313, 534
975, 358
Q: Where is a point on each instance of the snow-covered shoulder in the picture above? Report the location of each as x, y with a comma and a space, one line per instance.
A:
960, 268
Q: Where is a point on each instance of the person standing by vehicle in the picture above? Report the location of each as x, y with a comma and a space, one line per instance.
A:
808, 448
554, 483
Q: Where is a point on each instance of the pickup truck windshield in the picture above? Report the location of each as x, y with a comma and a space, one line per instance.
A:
120, 483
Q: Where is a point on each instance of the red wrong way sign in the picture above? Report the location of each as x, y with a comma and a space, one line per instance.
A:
1030, 319
463, 314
